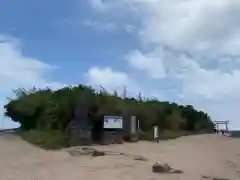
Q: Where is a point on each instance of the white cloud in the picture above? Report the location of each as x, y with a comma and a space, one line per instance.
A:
129, 28
195, 26
192, 25
108, 26
195, 80
212, 84
19, 71
111, 80
98, 5
149, 63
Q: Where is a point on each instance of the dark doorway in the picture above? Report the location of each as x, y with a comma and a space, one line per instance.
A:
97, 130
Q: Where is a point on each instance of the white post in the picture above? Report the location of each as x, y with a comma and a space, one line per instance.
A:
155, 133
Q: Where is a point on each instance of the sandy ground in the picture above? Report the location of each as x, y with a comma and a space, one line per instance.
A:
197, 156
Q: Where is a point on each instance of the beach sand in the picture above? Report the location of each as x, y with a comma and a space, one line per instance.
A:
199, 157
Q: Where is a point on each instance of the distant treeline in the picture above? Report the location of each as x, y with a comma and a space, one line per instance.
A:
53, 110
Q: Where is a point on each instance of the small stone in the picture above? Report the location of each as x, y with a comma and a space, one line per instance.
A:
78, 152
159, 168
140, 158
177, 171
206, 177
214, 178
98, 153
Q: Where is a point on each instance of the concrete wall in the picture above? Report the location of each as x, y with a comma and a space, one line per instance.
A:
81, 135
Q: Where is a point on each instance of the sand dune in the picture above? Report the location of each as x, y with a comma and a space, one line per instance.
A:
196, 156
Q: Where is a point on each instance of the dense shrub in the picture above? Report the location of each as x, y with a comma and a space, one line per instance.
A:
52, 111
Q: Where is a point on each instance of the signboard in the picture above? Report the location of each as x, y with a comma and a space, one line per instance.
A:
113, 122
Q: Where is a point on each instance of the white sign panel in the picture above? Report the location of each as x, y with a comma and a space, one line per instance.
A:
113, 122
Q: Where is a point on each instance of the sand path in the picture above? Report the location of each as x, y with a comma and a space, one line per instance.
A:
197, 156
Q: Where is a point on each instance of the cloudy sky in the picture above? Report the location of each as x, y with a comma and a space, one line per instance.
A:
186, 51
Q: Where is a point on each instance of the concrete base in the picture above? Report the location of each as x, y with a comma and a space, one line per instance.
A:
81, 138
134, 138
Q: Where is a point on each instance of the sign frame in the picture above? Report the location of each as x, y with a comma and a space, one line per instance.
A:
113, 122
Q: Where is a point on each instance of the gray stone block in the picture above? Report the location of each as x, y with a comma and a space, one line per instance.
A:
134, 137
112, 137
81, 138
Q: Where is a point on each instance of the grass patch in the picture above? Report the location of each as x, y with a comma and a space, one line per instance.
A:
49, 140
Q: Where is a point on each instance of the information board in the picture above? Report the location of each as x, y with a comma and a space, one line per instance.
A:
113, 122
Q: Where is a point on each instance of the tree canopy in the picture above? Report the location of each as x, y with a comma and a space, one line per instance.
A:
54, 109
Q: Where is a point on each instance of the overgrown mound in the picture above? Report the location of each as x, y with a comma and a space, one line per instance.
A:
46, 110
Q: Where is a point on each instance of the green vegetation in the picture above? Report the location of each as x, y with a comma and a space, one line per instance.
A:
44, 114
45, 139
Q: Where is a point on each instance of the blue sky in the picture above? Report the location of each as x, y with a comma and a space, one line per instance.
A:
182, 51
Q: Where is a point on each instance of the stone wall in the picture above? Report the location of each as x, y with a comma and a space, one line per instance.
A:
79, 136
80, 129
112, 137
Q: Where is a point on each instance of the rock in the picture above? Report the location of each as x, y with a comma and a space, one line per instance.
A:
98, 153
140, 158
79, 152
214, 178
165, 168
177, 171
206, 177
161, 168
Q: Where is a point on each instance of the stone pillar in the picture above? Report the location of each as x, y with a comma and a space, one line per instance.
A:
226, 127
133, 129
133, 125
